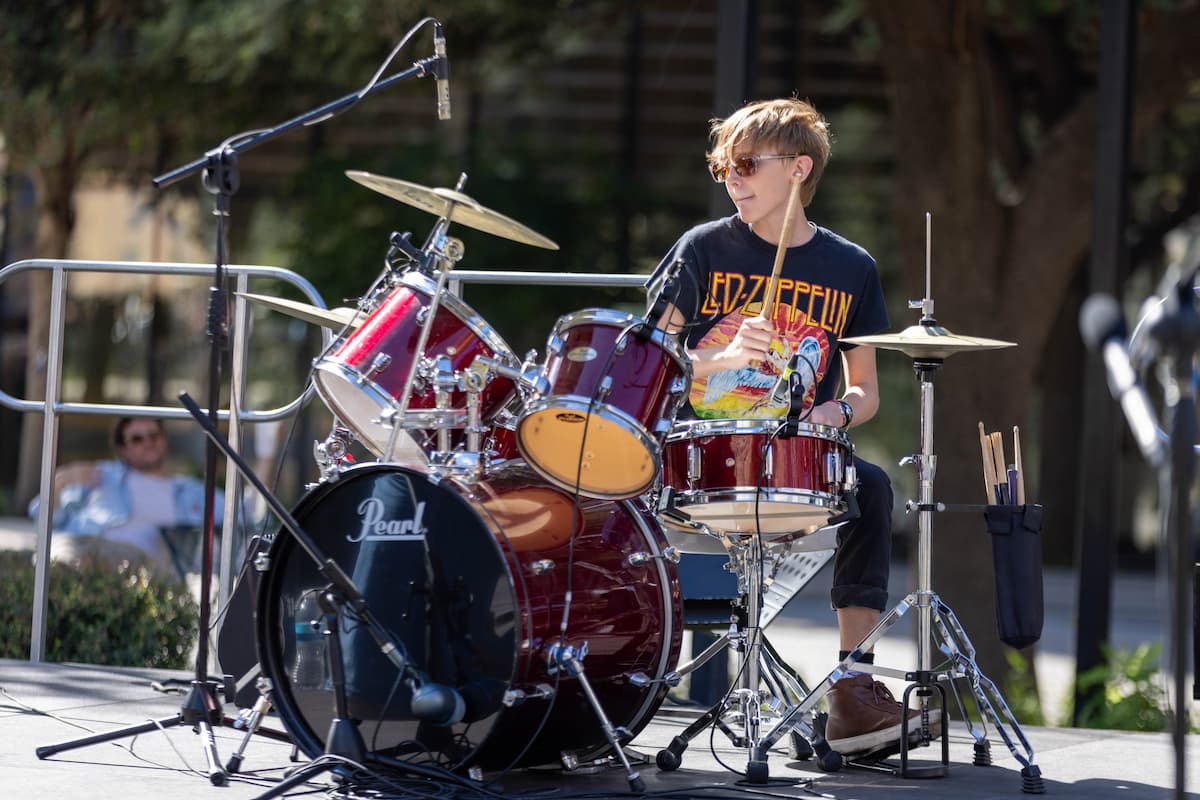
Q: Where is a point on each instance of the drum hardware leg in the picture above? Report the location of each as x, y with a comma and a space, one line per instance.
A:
250, 720
568, 659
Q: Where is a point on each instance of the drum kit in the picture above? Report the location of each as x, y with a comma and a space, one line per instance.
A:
520, 529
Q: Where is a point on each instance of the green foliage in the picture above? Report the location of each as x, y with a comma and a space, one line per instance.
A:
97, 615
1021, 689
1131, 698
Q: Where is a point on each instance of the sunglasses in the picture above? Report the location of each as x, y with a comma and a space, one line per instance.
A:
743, 166
138, 438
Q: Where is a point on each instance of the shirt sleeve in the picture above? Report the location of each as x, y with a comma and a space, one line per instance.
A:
872, 314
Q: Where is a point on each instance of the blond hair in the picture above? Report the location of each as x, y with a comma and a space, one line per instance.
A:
784, 125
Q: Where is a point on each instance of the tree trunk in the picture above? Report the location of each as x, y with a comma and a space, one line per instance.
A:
1001, 270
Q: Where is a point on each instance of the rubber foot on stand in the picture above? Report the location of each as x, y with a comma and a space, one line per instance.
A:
757, 772
800, 749
218, 778
235, 763
636, 784
830, 760
1031, 780
983, 754
670, 758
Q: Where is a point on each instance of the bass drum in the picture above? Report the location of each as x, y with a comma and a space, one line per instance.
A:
472, 580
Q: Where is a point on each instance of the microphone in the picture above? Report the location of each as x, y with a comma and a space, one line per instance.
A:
1103, 328
441, 72
437, 704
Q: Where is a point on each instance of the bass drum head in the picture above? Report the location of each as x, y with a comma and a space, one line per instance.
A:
445, 593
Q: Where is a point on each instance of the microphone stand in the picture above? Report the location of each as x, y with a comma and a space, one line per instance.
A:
344, 740
202, 708
1178, 333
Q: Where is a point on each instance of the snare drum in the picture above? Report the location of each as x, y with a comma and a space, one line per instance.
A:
610, 398
364, 377
728, 473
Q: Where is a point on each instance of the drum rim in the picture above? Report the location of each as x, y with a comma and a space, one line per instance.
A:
684, 430
783, 496
467, 315
618, 319
368, 388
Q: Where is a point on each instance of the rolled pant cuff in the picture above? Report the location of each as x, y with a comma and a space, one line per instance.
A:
859, 596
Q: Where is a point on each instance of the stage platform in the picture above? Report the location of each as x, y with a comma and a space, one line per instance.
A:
49, 703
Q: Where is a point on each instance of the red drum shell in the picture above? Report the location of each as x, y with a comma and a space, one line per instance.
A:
622, 389
358, 390
717, 466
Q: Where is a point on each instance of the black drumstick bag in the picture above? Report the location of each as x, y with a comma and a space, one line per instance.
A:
1016, 533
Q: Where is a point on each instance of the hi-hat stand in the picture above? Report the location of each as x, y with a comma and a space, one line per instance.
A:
929, 345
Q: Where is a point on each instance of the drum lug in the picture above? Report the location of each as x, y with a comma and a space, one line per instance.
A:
262, 562
555, 345
694, 462
515, 697
641, 557
679, 386
378, 364
851, 478
768, 467
422, 316
642, 680
541, 566
604, 388
833, 468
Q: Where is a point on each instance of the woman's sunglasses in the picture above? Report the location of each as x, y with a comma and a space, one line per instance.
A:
743, 166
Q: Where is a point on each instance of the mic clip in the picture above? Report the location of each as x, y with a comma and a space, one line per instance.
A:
796, 392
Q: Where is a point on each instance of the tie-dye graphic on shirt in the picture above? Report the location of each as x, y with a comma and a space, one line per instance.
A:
806, 316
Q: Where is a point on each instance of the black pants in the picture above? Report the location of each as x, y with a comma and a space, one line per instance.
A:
864, 554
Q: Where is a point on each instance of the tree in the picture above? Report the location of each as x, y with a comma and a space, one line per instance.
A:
1007, 171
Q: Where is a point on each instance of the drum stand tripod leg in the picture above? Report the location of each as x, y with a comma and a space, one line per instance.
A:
261, 706
566, 658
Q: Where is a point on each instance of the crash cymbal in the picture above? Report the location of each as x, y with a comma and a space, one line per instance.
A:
336, 318
455, 206
928, 341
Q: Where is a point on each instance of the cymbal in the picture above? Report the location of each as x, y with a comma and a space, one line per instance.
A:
336, 318
928, 341
455, 206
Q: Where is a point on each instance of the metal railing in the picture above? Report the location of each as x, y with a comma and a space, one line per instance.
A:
53, 406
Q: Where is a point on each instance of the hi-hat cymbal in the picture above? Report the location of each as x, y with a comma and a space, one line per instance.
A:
336, 318
928, 341
454, 206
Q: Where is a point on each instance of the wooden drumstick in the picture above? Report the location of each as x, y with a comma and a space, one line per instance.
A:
988, 465
785, 237
1001, 472
1020, 498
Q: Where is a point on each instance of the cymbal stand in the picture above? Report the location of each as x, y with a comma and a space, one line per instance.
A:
760, 664
934, 617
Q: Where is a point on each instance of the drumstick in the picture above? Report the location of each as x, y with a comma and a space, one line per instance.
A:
1020, 500
998, 454
988, 465
785, 237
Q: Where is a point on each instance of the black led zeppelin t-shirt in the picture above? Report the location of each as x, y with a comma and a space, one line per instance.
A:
828, 289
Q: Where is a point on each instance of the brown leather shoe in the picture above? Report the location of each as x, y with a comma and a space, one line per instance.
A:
865, 717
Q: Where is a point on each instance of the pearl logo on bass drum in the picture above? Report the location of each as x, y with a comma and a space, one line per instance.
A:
376, 529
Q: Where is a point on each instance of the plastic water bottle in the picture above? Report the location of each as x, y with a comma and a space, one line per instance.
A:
309, 672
